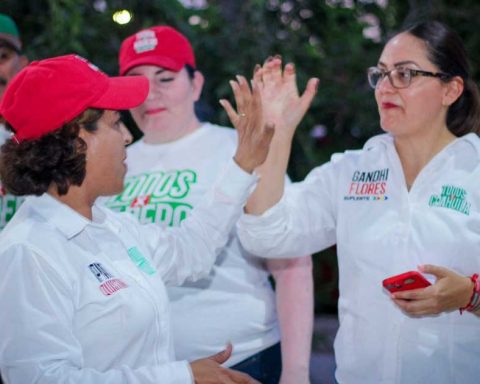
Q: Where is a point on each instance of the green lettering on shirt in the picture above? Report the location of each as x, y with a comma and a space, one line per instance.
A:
156, 197
451, 197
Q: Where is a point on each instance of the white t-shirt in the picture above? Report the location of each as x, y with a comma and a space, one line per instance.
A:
235, 302
85, 301
359, 201
8, 203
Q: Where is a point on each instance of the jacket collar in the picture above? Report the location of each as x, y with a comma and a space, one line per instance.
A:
68, 221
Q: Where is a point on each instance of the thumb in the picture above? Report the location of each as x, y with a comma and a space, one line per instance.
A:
434, 270
309, 93
222, 356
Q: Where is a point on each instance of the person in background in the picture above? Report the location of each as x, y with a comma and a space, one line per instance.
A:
82, 288
409, 199
11, 62
170, 171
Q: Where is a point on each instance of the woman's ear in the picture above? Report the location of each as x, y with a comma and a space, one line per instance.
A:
197, 84
453, 90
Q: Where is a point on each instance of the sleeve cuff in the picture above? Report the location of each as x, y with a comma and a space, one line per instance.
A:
270, 216
234, 183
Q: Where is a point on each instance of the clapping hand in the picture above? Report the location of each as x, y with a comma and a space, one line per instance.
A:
254, 133
282, 103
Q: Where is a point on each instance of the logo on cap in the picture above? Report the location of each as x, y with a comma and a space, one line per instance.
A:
145, 41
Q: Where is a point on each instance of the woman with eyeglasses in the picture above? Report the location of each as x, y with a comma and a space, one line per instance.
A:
408, 201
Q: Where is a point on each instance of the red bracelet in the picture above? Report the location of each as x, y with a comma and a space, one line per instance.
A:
475, 295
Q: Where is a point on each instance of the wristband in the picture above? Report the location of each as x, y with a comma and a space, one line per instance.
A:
474, 302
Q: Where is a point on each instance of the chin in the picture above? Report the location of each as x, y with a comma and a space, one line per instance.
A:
389, 126
114, 189
118, 189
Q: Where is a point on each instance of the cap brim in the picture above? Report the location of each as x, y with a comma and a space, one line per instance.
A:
12, 41
159, 61
123, 93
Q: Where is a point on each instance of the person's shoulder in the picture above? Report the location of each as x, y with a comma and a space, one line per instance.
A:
217, 138
470, 139
220, 131
28, 230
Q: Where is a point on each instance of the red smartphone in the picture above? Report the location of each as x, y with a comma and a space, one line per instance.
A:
405, 281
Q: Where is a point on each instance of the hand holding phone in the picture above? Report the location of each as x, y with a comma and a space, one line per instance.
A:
405, 281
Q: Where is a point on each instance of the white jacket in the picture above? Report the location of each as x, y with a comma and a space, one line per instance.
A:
360, 202
85, 302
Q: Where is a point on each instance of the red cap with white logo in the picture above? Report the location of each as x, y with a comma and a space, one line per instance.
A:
162, 46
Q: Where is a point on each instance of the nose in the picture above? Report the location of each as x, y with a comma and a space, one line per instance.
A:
127, 136
153, 91
385, 85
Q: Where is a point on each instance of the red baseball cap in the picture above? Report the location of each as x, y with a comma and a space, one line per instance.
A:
47, 94
162, 46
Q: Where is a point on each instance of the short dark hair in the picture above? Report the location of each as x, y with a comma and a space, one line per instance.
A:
31, 166
190, 71
447, 51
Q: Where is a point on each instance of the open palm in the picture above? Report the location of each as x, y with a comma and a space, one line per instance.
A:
282, 104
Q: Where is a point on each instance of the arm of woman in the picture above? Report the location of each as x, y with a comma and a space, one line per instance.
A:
294, 294
189, 251
283, 107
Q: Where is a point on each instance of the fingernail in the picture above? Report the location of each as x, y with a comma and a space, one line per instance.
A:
256, 68
278, 56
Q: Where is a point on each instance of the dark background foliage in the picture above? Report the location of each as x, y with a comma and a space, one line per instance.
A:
335, 40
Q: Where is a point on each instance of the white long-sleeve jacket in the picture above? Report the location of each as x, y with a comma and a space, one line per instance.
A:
360, 202
85, 302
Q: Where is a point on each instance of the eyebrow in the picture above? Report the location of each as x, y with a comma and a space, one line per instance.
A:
399, 64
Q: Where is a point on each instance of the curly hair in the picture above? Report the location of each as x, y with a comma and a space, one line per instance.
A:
59, 158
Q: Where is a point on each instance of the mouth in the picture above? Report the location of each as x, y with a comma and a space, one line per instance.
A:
388, 105
155, 111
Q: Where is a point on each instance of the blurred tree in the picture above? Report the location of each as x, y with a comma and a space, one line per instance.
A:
335, 40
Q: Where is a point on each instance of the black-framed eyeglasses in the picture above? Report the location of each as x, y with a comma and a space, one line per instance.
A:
400, 77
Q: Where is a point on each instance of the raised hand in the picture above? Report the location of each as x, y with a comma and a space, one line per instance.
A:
209, 370
254, 133
282, 103
450, 292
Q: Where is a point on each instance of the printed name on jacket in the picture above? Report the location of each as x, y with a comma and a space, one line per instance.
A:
368, 185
